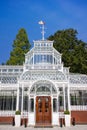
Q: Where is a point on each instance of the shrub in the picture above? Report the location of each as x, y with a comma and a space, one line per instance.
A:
67, 112
17, 112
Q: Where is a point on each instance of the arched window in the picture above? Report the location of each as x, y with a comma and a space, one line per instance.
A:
43, 87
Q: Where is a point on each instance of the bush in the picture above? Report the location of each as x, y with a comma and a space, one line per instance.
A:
18, 113
66, 112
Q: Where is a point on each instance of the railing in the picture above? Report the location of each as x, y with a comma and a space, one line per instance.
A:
61, 115
7, 113
12, 113
44, 66
79, 107
24, 114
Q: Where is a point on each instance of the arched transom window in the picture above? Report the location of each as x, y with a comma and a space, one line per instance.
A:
43, 88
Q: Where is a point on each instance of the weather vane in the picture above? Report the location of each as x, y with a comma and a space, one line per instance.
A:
42, 27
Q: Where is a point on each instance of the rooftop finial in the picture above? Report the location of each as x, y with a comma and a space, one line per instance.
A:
42, 27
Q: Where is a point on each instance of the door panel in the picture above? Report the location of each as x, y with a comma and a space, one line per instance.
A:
43, 109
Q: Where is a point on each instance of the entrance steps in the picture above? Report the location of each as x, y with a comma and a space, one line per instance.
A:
47, 125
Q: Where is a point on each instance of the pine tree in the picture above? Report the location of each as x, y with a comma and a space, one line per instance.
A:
20, 46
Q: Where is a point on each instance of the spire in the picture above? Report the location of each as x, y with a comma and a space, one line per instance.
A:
42, 27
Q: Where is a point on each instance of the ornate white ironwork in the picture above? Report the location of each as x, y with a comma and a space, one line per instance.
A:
38, 75
78, 79
44, 69
43, 87
43, 54
10, 74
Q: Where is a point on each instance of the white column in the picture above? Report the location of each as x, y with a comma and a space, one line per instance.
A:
64, 97
17, 104
29, 97
28, 105
53, 57
68, 94
22, 98
58, 93
33, 59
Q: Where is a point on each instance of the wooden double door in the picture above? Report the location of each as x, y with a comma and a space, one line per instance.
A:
43, 110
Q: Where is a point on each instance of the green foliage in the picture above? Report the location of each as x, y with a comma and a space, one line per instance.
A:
20, 46
73, 50
17, 112
67, 112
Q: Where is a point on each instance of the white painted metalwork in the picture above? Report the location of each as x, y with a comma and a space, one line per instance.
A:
42, 73
42, 27
78, 79
79, 108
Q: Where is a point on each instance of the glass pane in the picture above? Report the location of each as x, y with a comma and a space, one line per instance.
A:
39, 105
54, 105
46, 104
25, 103
31, 105
43, 89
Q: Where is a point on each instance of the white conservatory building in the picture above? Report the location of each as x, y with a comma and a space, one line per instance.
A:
42, 89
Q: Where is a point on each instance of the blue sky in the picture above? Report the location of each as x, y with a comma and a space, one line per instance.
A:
57, 14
